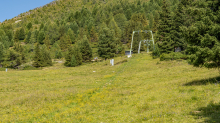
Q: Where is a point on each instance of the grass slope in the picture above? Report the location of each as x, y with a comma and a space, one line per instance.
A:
140, 90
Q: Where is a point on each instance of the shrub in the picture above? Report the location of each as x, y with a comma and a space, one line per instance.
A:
172, 56
29, 67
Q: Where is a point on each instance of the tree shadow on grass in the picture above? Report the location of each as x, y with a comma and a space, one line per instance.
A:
214, 80
211, 113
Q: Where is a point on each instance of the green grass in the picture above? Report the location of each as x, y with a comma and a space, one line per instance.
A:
139, 90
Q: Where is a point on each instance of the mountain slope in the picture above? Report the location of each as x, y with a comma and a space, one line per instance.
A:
140, 90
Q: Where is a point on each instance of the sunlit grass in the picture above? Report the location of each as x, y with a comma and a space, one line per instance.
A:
140, 90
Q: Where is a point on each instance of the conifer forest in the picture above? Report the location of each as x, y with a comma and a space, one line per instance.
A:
67, 29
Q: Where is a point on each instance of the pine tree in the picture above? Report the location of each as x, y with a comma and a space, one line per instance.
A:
85, 49
69, 57
5, 40
53, 32
73, 62
2, 32
9, 33
73, 51
106, 46
28, 37
36, 32
64, 44
2, 52
20, 49
41, 26
78, 55
93, 35
179, 20
13, 58
203, 34
74, 26
85, 32
58, 54
37, 57
57, 51
29, 25
46, 59
72, 35
33, 38
151, 21
47, 41
62, 30
155, 22
113, 26
16, 36
120, 19
165, 42
41, 37
21, 34
68, 40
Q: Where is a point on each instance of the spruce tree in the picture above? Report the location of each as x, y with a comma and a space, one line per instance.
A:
2, 32
41, 37
68, 40
33, 38
120, 19
62, 30
16, 36
2, 52
53, 32
47, 41
113, 26
13, 58
28, 37
57, 51
74, 26
21, 34
72, 35
36, 32
106, 46
21, 50
9, 33
178, 22
29, 25
64, 44
37, 57
93, 35
5, 40
151, 21
73, 62
73, 51
58, 54
78, 55
165, 43
85, 49
46, 59
202, 35
68, 57
155, 22
41, 26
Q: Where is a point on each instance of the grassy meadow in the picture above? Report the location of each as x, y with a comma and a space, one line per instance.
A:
139, 90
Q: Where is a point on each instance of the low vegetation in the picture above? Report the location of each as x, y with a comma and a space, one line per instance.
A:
139, 90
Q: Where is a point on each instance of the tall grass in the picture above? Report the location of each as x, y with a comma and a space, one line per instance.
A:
139, 90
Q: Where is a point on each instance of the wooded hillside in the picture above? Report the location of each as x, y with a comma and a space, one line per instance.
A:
64, 23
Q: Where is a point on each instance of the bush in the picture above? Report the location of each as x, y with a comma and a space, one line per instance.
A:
29, 67
156, 52
172, 56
